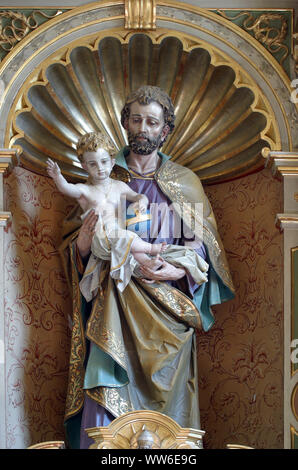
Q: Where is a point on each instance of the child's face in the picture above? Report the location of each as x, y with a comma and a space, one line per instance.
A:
98, 165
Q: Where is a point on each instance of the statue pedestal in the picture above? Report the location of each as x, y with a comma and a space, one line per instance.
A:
145, 429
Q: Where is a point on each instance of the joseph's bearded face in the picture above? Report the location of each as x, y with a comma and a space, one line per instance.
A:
145, 127
141, 144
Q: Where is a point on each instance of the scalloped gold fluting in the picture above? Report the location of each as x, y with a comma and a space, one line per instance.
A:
223, 120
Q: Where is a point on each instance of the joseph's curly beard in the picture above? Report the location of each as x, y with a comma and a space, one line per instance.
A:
144, 147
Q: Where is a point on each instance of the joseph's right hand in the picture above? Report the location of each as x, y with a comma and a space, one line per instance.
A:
86, 233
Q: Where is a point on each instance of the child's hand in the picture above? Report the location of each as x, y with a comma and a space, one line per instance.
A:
135, 206
143, 204
53, 169
139, 207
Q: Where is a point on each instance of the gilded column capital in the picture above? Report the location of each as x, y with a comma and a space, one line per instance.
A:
8, 159
281, 163
287, 221
140, 14
5, 217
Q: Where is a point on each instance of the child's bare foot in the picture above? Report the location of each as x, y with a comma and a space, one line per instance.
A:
158, 248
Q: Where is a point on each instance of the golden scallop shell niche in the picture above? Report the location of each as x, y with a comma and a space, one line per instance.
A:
222, 119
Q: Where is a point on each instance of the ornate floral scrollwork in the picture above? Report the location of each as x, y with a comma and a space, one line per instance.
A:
16, 25
270, 36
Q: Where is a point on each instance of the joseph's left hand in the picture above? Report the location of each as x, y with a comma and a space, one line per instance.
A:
167, 272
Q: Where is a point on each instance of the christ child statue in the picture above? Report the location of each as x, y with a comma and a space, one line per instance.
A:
103, 194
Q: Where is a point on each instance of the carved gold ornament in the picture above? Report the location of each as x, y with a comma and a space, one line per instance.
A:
272, 37
18, 25
145, 429
140, 14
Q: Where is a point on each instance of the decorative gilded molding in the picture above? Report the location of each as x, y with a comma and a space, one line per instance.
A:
218, 71
145, 429
238, 447
271, 132
281, 163
294, 312
16, 25
294, 402
5, 217
205, 13
287, 221
270, 28
48, 445
8, 159
294, 438
140, 14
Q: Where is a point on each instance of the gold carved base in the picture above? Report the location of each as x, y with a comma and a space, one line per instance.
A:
145, 429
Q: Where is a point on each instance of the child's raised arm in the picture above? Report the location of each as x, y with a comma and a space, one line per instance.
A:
72, 190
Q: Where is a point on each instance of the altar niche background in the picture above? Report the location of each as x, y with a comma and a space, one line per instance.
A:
37, 306
241, 358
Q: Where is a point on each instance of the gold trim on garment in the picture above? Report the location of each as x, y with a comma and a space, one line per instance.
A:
96, 330
125, 255
173, 189
108, 341
175, 300
135, 175
110, 399
170, 178
75, 392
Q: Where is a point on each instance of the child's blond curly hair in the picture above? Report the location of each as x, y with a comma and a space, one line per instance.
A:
92, 141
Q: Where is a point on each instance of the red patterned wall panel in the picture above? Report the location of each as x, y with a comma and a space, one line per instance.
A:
240, 359
36, 311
